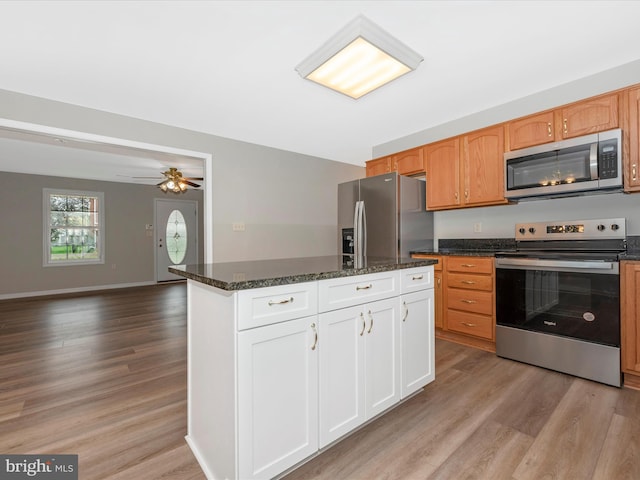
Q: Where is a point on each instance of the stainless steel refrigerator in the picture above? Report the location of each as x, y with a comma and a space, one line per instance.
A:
383, 216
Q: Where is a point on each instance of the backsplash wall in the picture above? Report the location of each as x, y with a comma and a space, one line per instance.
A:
500, 221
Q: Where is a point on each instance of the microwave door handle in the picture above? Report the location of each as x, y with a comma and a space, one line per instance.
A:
593, 161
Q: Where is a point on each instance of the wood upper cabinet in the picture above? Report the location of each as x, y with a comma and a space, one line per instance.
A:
410, 162
632, 130
466, 170
589, 116
532, 130
378, 166
630, 324
443, 174
483, 167
596, 114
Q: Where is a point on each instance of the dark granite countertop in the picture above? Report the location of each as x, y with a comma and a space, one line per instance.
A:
266, 273
483, 247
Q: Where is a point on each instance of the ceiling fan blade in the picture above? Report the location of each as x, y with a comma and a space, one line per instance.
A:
190, 183
158, 184
193, 178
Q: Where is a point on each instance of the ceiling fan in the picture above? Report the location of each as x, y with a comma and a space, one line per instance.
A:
175, 182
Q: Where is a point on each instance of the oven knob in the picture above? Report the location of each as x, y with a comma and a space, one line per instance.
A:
522, 230
615, 227
532, 230
601, 227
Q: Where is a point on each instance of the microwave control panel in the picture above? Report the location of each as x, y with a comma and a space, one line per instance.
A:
608, 159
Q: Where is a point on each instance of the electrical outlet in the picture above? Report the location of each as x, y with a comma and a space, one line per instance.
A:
477, 227
238, 227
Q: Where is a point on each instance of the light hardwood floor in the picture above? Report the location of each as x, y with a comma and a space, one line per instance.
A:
103, 375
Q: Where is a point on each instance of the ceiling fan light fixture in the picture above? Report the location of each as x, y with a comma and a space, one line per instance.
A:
359, 59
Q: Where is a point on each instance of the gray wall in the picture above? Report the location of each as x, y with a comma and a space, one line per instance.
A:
128, 208
498, 222
287, 201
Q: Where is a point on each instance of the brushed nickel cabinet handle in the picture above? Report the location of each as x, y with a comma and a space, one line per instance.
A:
468, 301
456, 195
371, 324
466, 194
366, 287
549, 129
468, 282
468, 324
364, 324
315, 339
468, 265
406, 311
564, 126
417, 277
634, 172
281, 302
439, 281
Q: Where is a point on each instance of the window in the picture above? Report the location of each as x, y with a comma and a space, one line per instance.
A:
73, 227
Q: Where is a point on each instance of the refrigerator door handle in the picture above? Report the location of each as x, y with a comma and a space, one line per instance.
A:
356, 230
363, 228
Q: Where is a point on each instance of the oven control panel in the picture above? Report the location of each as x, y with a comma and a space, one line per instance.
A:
604, 228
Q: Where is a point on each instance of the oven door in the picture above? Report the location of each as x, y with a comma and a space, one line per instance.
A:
578, 299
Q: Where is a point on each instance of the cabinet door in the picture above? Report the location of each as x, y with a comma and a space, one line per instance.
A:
418, 347
382, 355
378, 166
342, 406
443, 174
630, 301
483, 167
532, 130
277, 397
632, 159
590, 116
410, 162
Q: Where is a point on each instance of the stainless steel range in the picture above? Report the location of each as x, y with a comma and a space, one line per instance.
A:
558, 297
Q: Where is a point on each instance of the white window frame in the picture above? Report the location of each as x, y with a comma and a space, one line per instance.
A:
46, 217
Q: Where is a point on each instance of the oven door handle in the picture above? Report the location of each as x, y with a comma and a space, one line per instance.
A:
560, 265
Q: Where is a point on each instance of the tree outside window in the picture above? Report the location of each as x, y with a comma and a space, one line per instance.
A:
74, 223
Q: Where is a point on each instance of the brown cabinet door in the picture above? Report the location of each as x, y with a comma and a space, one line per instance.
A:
630, 301
443, 174
483, 167
590, 116
533, 130
410, 162
378, 166
632, 158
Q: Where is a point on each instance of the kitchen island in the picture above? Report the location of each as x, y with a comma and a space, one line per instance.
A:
286, 357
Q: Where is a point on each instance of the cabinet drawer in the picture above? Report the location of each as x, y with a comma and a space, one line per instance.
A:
346, 292
414, 279
264, 306
470, 264
470, 282
470, 323
470, 300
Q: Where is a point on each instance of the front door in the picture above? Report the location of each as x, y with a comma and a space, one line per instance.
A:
176, 236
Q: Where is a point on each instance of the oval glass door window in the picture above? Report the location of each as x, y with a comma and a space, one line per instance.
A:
176, 239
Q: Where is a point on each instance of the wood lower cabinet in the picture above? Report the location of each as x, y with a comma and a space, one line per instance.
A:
466, 171
632, 133
630, 324
469, 300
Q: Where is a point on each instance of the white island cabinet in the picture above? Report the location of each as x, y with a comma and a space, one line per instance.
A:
276, 373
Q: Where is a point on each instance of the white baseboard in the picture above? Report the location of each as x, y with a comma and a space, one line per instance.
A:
7, 296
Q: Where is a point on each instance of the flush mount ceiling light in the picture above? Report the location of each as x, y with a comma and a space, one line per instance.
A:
358, 59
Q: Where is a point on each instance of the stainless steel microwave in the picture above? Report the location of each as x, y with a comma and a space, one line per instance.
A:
569, 167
